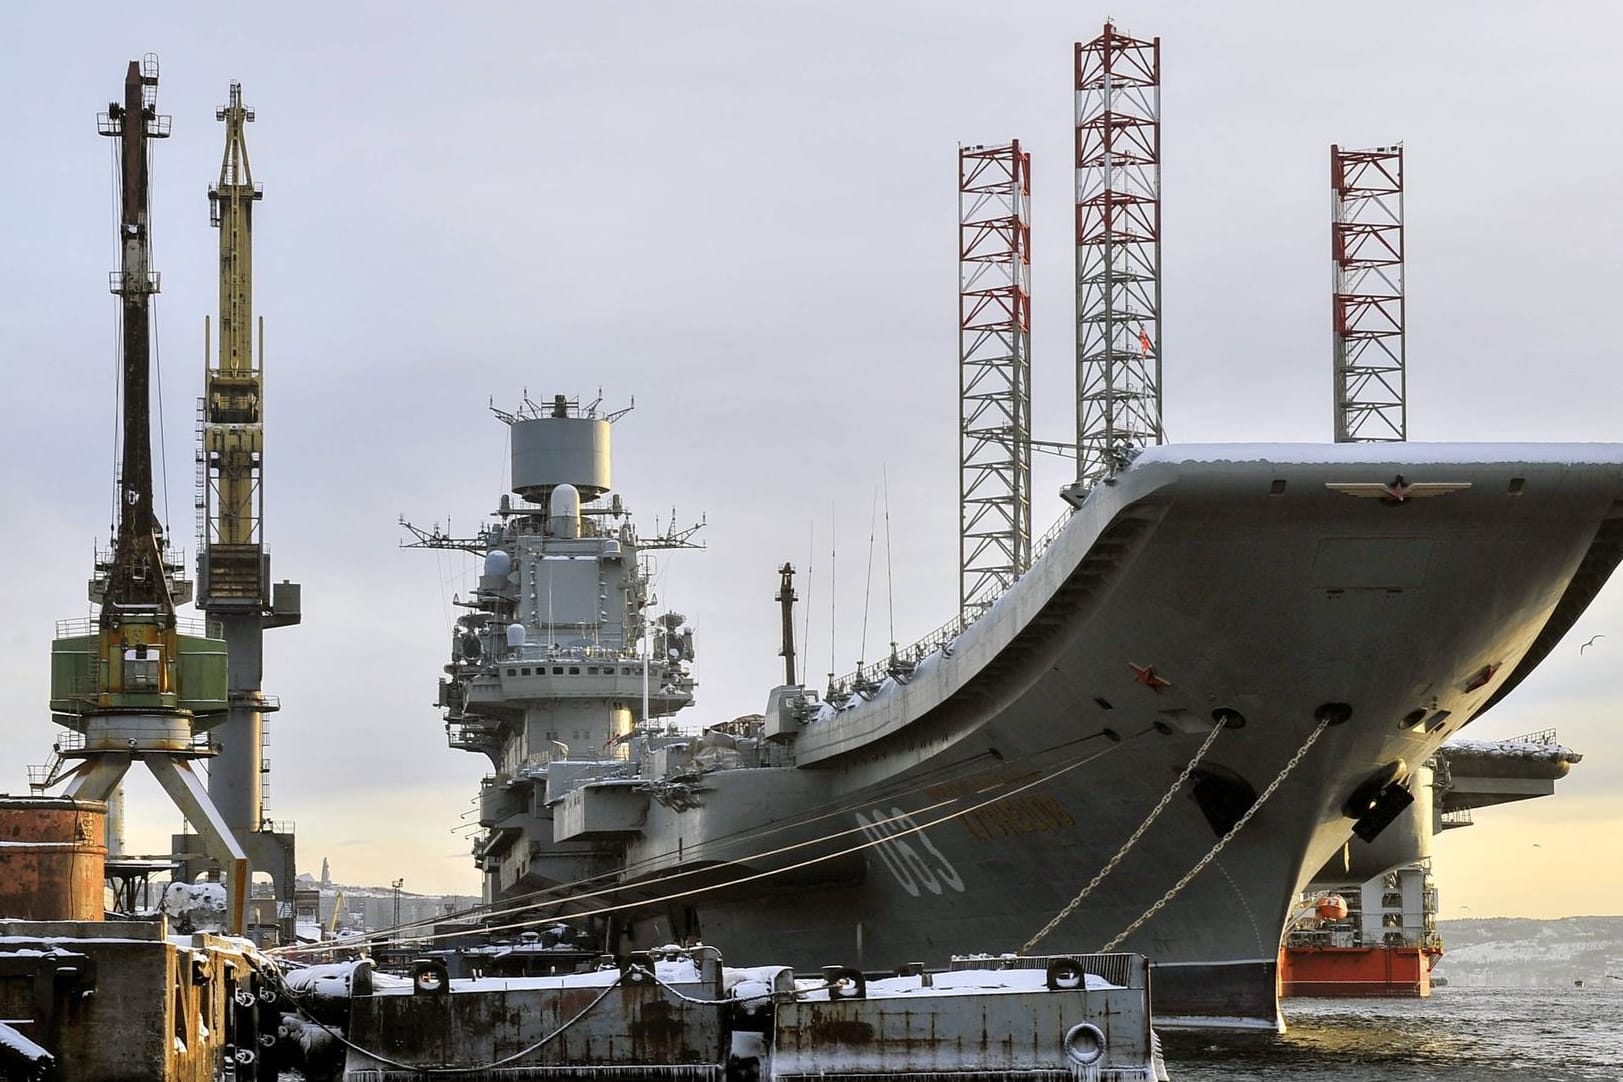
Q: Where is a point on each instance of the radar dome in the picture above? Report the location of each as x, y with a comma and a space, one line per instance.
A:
563, 511
497, 562
515, 636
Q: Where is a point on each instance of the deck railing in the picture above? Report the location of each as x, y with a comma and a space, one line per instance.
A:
903, 660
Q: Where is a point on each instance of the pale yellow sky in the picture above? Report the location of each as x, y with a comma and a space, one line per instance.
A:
1542, 858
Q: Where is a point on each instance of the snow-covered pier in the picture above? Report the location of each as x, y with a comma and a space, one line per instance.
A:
680, 1014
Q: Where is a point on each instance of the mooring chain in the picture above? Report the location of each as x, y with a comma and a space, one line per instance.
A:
1211, 854
1110, 865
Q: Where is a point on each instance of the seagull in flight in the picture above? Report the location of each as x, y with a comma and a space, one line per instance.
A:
1590, 643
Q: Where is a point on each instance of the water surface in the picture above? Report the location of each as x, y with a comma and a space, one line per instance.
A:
1459, 1034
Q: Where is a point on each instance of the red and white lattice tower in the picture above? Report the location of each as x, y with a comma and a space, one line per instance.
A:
1366, 245
1118, 251
994, 371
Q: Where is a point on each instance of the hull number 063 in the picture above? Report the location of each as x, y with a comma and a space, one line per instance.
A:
909, 854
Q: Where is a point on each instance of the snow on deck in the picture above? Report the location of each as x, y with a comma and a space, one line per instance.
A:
679, 971
1405, 453
1511, 749
963, 982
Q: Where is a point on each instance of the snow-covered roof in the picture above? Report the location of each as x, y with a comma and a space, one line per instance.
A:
1510, 749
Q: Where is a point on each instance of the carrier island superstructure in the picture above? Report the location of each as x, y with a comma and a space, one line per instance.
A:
550, 674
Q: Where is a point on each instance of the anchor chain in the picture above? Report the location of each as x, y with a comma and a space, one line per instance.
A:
1110, 865
1211, 854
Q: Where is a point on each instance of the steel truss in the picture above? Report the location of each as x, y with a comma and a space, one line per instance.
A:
1366, 246
994, 382
1118, 251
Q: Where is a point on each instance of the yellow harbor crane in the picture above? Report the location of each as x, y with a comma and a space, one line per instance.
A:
233, 396
234, 584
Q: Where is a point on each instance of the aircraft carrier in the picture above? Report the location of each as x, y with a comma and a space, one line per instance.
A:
1229, 662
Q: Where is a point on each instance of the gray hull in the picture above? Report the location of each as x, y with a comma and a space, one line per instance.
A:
961, 809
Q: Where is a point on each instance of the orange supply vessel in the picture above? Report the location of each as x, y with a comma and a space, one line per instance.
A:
53, 854
1379, 941
1357, 971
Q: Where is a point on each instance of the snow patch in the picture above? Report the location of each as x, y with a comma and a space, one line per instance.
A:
1402, 454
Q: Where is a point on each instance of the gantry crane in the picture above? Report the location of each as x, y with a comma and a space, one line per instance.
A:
234, 584
132, 687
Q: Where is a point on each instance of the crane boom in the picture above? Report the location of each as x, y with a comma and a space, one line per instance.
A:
234, 584
135, 577
138, 690
232, 570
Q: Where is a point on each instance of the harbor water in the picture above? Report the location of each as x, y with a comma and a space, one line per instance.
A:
1459, 1034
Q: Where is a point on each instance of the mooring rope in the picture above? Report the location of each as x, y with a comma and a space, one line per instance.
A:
293, 997
614, 907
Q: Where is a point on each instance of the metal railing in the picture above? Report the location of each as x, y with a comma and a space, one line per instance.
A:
1458, 817
903, 660
1545, 737
82, 626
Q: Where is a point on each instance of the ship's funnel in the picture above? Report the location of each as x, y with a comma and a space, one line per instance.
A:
553, 451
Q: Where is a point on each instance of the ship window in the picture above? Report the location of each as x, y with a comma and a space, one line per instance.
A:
1392, 900
512, 672
591, 670
1516, 485
574, 670
625, 672
557, 670
1277, 488
525, 672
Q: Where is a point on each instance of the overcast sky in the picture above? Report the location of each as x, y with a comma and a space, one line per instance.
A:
744, 215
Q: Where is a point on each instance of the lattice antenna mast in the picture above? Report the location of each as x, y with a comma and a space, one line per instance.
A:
994, 371
1366, 248
1118, 251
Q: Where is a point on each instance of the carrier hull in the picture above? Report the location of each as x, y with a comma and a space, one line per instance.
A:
963, 805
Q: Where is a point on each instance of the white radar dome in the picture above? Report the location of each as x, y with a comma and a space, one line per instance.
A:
515, 635
563, 509
497, 562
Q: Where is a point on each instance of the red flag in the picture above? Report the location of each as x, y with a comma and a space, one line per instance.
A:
1143, 341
